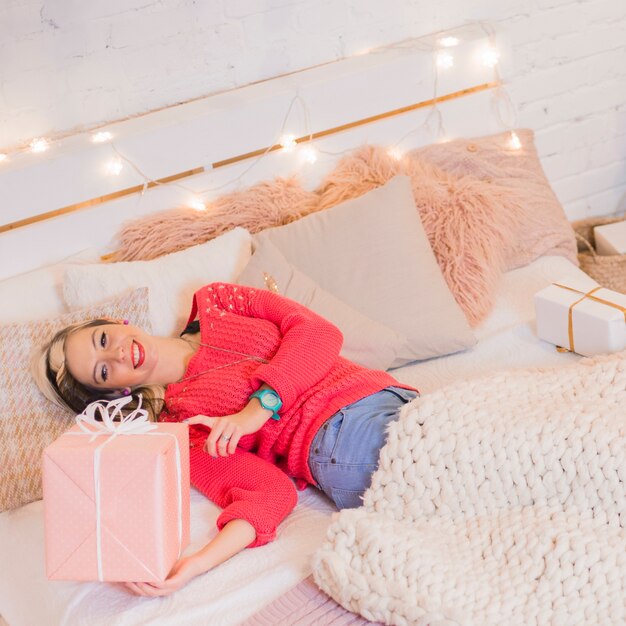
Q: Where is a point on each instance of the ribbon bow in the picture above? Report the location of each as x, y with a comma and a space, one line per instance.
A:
113, 421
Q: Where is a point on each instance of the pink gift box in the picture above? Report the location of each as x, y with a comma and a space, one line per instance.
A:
119, 511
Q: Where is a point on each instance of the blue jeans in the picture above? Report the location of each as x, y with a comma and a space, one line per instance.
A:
344, 452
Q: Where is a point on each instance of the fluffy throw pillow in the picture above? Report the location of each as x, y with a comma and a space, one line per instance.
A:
365, 341
171, 279
468, 232
262, 206
516, 182
372, 253
29, 422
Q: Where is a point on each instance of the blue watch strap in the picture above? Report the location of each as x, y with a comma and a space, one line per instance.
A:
273, 405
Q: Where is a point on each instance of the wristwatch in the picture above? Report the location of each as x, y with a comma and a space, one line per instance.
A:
269, 399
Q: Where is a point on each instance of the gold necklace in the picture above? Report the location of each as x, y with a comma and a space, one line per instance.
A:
219, 367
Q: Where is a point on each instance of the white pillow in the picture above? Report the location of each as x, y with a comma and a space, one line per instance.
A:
171, 279
38, 294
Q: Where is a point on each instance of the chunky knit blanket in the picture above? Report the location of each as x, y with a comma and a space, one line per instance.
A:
498, 501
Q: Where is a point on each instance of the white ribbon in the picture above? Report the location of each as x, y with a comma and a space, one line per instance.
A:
135, 423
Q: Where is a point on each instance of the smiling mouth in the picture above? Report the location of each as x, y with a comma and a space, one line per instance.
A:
139, 354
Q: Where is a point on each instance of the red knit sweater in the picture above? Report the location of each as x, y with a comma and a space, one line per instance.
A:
303, 366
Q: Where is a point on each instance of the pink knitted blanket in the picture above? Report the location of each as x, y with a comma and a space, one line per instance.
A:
305, 605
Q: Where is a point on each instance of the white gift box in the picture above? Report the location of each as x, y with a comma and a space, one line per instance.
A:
610, 238
588, 323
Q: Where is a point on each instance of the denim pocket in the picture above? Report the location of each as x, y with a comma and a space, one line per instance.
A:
347, 499
325, 442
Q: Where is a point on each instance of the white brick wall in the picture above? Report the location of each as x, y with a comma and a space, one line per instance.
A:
70, 64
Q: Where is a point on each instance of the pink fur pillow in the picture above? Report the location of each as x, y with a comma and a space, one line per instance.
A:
262, 206
466, 227
520, 189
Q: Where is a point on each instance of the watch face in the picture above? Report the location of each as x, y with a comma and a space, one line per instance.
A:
271, 400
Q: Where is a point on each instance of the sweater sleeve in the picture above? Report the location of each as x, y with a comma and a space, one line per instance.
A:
309, 347
246, 487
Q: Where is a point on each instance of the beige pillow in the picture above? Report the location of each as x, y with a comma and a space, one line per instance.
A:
365, 341
29, 422
372, 253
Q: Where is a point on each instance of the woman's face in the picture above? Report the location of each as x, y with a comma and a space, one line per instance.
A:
111, 356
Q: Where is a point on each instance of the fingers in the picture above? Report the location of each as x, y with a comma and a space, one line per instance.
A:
233, 442
227, 443
152, 590
133, 587
141, 589
204, 420
223, 438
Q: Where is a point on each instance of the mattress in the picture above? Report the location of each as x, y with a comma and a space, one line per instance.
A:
242, 586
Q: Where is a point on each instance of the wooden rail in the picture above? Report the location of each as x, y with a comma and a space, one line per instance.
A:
242, 157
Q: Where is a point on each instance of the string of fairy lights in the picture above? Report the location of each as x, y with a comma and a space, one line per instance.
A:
443, 56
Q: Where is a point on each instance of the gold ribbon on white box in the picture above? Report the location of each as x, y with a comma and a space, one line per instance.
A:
570, 314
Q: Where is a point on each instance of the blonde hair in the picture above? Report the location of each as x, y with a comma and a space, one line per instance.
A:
58, 384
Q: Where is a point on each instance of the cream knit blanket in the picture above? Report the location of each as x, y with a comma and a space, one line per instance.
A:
498, 501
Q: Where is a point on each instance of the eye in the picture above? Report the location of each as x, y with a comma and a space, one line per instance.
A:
104, 373
103, 339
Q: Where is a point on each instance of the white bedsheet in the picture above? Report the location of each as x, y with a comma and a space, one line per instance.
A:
240, 587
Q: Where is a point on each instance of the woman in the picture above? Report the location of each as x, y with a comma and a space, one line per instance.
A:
260, 381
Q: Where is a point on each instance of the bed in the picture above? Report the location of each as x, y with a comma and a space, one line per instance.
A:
506, 339
504, 335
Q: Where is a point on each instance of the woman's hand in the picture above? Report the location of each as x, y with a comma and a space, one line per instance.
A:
225, 432
228, 430
183, 571
231, 539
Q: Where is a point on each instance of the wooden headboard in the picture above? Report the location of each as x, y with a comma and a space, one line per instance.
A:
57, 202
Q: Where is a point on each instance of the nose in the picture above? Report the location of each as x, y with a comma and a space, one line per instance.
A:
116, 353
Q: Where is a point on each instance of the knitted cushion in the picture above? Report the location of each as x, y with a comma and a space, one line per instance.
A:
29, 422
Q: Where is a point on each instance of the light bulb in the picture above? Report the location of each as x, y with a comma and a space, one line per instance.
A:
102, 136
3, 156
395, 153
445, 60
514, 142
39, 144
448, 42
115, 166
288, 143
490, 57
309, 154
197, 204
